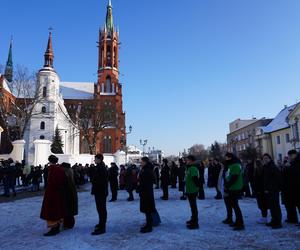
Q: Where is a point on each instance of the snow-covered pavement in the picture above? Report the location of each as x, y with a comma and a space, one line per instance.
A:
21, 228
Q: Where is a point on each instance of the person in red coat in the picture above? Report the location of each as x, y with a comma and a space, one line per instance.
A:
54, 207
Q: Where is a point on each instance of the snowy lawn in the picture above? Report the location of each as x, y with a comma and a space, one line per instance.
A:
21, 228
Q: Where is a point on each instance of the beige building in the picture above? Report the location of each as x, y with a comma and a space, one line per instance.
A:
243, 133
282, 134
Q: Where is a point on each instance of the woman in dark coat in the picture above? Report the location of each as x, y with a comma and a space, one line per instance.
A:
71, 197
54, 203
145, 189
181, 178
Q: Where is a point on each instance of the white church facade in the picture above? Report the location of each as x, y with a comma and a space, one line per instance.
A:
50, 113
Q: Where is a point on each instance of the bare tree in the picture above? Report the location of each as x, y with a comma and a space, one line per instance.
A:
25, 88
199, 151
91, 121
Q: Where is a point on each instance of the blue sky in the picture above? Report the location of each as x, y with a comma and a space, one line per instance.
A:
188, 67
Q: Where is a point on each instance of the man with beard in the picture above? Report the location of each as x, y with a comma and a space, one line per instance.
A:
54, 207
99, 179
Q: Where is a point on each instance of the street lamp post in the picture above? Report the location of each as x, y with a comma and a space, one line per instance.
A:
126, 148
143, 143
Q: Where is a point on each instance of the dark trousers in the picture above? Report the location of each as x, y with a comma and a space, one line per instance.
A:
234, 204
101, 209
149, 220
219, 194
193, 204
228, 207
262, 204
165, 189
130, 192
201, 194
291, 210
114, 190
274, 206
69, 222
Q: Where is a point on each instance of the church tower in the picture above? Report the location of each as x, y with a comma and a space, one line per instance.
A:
9, 65
108, 90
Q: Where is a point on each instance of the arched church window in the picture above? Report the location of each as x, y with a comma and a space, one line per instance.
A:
44, 91
44, 110
108, 56
108, 84
115, 57
42, 126
107, 147
42, 137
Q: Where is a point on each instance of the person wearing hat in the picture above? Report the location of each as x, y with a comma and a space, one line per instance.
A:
54, 207
192, 189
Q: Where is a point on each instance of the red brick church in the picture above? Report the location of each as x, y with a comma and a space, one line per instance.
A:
106, 92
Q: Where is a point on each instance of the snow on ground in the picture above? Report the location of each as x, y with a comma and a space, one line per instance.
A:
21, 228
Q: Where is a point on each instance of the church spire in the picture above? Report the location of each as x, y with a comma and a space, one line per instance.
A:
9, 65
49, 55
109, 18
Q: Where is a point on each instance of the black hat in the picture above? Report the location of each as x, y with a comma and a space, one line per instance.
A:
292, 152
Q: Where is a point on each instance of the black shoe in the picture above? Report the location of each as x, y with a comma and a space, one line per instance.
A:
239, 227
98, 231
292, 221
270, 224
227, 221
183, 198
146, 229
193, 226
189, 222
112, 200
233, 224
276, 226
53, 231
164, 198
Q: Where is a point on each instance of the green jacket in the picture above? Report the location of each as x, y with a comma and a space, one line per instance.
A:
234, 170
191, 186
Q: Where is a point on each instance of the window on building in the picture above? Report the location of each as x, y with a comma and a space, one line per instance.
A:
107, 144
42, 126
108, 84
44, 110
108, 56
278, 139
115, 57
42, 137
287, 138
44, 91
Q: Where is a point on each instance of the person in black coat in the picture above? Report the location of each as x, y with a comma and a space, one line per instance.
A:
156, 173
201, 169
174, 174
291, 187
165, 179
272, 187
129, 185
145, 189
258, 188
99, 179
113, 173
181, 178
215, 173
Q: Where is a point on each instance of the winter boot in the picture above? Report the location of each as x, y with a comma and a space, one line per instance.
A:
193, 226
53, 231
146, 229
228, 221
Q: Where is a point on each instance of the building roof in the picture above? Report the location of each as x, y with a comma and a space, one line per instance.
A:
280, 121
5, 84
77, 90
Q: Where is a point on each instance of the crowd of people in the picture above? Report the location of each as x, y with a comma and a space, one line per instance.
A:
232, 179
